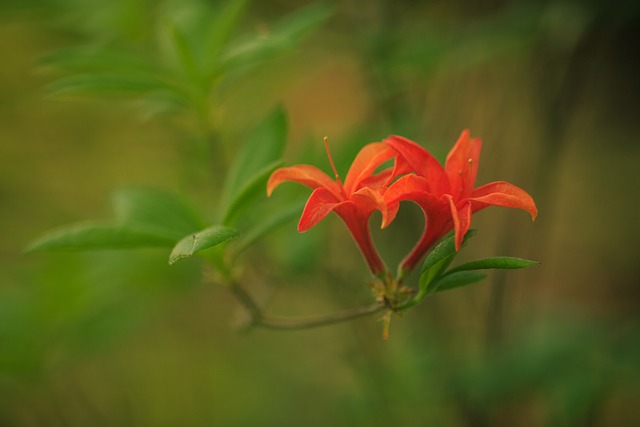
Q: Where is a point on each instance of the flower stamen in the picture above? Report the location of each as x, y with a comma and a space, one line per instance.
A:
333, 166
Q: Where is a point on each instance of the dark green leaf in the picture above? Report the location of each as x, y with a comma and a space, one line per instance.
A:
247, 194
457, 279
263, 146
108, 83
116, 73
158, 209
185, 54
221, 28
201, 240
439, 259
88, 59
284, 35
494, 262
89, 236
271, 223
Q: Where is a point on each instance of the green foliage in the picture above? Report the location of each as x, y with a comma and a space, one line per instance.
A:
268, 224
91, 236
156, 208
435, 277
438, 260
200, 241
194, 57
251, 50
502, 262
249, 192
465, 274
197, 53
146, 217
259, 155
221, 29
457, 279
143, 218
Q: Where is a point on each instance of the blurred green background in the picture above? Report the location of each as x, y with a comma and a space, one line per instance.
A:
121, 338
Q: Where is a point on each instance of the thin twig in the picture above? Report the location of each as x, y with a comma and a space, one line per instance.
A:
258, 319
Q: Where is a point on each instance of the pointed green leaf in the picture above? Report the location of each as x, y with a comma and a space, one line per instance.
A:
282, 36
221, 28
439, 259
494, 262
457, 279
157, 209
99, 60
271, 223
107, 83
116, 73
91, 236
247, 194
263, 146
184, 53
201, 240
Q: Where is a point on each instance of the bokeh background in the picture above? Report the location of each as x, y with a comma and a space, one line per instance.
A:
121, 338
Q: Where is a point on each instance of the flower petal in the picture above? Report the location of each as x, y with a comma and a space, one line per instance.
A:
320, 204
435, 208
366, 162
368, 200
355, 214
307, 175
377, 181
462, 165
503, 194
461, 220
409, 187
420, 161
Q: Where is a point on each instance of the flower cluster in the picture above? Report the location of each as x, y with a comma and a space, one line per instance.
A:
446, 194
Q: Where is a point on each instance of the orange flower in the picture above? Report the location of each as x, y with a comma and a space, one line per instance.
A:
354, 202
447, 195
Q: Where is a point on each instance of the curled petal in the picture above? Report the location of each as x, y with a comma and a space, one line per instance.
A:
377, 181
355, 216
420, 161
368, 200
409, 187
320, 204
438, 222
461, 220
307, 175
503, 194
400, 168
354, 213
462, 164
364, 165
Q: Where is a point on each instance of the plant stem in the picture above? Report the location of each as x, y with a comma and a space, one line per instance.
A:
258, 319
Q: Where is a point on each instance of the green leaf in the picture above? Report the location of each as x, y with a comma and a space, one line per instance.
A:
282, 36
90, 59
184, 53
221, 28
495, 262
271, 223
201, 240
91, 236
438, 260
157, 209
108, 83
263, 146
247, 194
457, 279
144, 218
110, 72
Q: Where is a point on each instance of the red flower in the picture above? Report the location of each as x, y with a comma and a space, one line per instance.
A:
447, 195
354, 202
